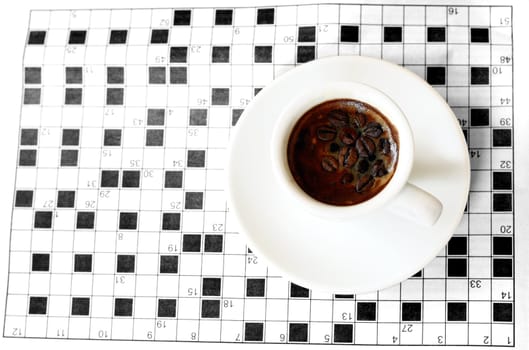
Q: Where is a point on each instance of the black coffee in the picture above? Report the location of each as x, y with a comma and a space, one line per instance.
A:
343, 152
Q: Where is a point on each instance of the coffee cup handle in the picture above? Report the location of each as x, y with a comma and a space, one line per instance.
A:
417, 205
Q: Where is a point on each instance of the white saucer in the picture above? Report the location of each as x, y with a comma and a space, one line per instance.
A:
361, 254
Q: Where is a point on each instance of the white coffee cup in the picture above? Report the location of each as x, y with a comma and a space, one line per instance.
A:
399, 195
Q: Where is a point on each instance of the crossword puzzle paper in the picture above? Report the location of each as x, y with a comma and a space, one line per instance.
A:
120, 228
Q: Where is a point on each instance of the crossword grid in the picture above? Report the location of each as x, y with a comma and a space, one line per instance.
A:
120, 228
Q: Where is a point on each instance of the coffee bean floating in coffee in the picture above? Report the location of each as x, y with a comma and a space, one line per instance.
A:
343, 152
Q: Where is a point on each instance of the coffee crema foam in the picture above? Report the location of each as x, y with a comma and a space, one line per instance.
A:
343, 152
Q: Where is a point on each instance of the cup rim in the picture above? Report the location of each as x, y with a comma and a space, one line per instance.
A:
314, 95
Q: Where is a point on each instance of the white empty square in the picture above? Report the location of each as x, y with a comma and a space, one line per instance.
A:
393, 15
436, 54
284, 15
479, 16
436, 15
328, 13
414, 54
414, 35
371, 14
414, 15
307, 14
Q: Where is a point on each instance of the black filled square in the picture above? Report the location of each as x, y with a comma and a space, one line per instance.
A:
343, 333
74, 75
191, 243
349, 34
263, 54
118, 37
436, 75
211, 286
235, 116
196, 159
154, 137
502, 245
213, 243
128, 221
418, 274
123, 307
502, 180
66, 199
70, 137
456, 312
255, 287
436, 34
38, 305
502, 202
77, 37
126, 264
306, 53
114, 96
194, 200
156, 75
85, 219
198, 117
32, 75
182, 17
307, 34
159, 36
169, 264
265, 16
479, 117
210, 309
502, 268
253, 331
178, 75
501, 138
298, 291
40, 262
479, 75
115, 75
173, 179
502, 312
24, 199
457, 267
109, 178
43, 219
457, 245
171, 221
298, 332
167, 308
344, 296
178, 54
479, 35
112, 137
223, 17
220, 96
256, 91
392, 34
36, 37
131, 178
31, 96
82, 263
465, 134
73, 96
366, 311
220, 54
155, 117
411, 312
80, 306
29, 137
27, 157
